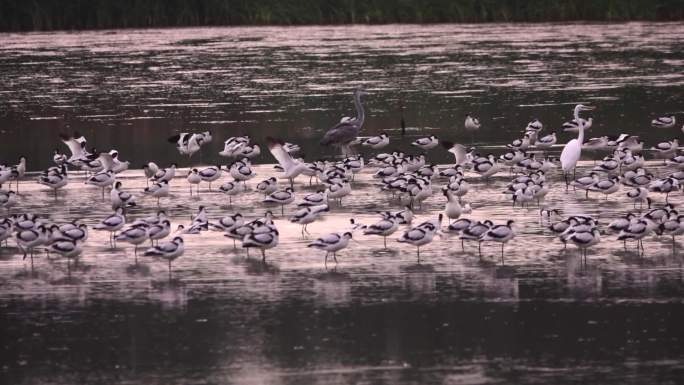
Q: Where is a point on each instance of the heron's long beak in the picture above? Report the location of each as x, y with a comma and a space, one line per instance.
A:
589, 108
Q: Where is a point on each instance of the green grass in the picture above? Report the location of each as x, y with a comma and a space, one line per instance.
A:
27, 15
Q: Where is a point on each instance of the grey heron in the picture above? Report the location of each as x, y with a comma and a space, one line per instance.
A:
346, 130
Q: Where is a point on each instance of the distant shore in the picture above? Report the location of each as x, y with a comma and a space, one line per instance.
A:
47, 15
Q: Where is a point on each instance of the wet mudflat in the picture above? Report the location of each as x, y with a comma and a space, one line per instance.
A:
377, 317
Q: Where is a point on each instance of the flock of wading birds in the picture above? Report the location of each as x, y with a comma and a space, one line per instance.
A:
407, 178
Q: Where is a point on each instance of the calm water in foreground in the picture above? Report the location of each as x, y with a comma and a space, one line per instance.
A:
378, 316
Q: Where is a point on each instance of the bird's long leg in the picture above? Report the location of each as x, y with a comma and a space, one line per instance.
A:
263, 255
169, 269
384, 239
462, 245
335, 257
418, 253
135, 253
502, 253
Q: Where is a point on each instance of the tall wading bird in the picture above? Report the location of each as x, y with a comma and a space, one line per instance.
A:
346, 131
573, 149
471, 125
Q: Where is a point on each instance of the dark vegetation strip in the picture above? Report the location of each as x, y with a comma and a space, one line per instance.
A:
30, 15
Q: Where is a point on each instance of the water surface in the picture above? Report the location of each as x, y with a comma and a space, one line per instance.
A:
132, 88
542, 316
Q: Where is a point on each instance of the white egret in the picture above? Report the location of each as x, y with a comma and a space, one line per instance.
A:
573, 149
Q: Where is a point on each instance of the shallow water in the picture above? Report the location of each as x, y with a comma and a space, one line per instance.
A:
378, 316
126, 89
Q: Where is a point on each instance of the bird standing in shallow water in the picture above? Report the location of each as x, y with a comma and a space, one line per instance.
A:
134, 235
120, 198
573, 149
8, 199
343, 133
168, 250
209, 175
112, 224
309, 214
471, 125
281, 197
28, 239
194, 179
158, 190
422, 234
331, 243
501, 234
384, 227
262, 238
584, 239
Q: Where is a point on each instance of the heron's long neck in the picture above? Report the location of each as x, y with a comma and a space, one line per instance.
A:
580, 136
360, 115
